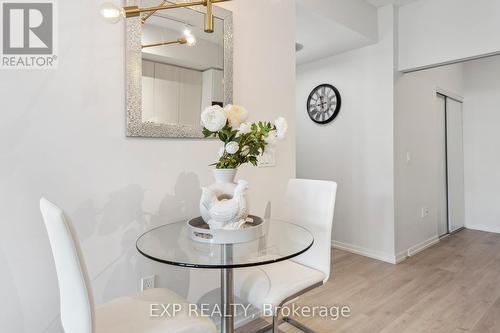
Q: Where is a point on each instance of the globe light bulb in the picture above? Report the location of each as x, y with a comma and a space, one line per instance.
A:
187, 31
191, 40
111, 12
188, 36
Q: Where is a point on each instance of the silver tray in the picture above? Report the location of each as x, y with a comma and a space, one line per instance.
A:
200, 231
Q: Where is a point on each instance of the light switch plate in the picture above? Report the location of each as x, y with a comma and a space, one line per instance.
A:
266, 160
148, 282
408, 157
425, 212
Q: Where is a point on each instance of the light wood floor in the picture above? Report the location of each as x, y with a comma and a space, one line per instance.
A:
453, 286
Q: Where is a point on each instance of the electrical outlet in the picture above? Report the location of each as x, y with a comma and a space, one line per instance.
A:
147, 282
425, 212
266, 160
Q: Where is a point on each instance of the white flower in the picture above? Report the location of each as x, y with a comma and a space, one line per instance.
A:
271, 139
281, 127
236, 115
245, 151
244, 128
213, 118
232, 147
221, 152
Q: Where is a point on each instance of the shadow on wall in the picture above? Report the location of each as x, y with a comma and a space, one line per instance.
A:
11, 317
183, 204
108, 237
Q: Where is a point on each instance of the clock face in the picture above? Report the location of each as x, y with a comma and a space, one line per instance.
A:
323, 104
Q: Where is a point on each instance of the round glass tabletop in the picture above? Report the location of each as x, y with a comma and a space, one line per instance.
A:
171, 244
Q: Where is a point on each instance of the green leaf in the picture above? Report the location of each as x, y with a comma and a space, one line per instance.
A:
222, 136
207, 133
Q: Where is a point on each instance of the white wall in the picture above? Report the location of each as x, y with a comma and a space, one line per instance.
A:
434, 32
481, 144
355, 150
419, 132
62, 135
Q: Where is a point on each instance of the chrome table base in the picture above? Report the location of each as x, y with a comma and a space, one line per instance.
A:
227, 288
298, 325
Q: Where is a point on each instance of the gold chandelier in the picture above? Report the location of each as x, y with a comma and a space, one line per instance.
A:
113, 13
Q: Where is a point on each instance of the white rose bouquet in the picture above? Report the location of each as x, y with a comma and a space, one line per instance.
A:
243, 141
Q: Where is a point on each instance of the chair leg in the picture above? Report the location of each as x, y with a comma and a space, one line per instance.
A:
298, 325
273, 327
275, 323
265, 329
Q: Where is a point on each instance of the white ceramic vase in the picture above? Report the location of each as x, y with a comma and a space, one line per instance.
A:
224, 181
223, 205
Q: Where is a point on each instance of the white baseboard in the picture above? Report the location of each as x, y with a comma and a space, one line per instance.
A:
399, 257
486, 228
364, 252
422, 246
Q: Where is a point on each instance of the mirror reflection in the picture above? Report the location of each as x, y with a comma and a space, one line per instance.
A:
182, 67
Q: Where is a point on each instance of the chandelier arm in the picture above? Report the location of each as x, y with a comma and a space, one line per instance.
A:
135, 11
178, 41
148, 15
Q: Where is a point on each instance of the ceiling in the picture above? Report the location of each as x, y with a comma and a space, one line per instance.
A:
324, 38
330, 27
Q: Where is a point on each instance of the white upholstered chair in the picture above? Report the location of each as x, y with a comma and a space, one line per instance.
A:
122, 315
309, 203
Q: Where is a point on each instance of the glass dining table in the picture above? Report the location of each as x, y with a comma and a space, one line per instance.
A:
171, 244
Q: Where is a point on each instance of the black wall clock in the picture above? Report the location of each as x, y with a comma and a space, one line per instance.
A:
323, 103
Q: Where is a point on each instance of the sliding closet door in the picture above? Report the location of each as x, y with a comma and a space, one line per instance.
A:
148, 87
442, 213
166, 94
455, 164
190, 97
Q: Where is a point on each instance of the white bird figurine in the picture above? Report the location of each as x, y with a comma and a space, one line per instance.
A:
227, 213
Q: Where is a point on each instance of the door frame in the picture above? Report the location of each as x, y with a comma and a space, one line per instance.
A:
448, 95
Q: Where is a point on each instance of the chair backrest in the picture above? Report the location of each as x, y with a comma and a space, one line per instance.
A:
311, 204
77, 304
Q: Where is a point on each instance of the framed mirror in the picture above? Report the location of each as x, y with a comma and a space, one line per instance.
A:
175, 70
